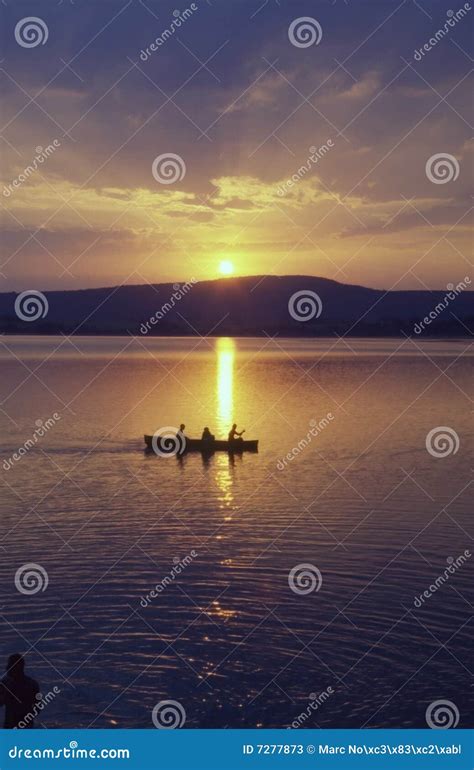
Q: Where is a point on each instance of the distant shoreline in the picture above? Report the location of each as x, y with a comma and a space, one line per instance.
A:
293, 306
243, 335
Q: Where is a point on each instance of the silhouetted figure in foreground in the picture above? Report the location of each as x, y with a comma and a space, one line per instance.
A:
207, 435
17, 693
234, 433
181, 428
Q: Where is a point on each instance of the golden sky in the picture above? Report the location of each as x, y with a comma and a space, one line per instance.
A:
353, 120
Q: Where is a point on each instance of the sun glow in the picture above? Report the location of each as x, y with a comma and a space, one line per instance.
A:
226, 267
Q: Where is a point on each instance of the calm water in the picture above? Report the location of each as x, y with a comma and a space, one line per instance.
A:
364, 502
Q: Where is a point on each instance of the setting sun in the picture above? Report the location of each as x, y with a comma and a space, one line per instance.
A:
226, 267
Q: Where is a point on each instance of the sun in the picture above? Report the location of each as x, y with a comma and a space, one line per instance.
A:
226, 267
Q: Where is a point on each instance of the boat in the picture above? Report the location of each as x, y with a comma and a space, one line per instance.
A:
199, 445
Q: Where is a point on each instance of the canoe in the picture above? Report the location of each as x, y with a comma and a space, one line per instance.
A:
207, 447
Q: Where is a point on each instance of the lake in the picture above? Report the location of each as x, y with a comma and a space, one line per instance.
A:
174, 578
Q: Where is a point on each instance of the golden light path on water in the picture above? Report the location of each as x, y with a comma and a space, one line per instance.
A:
225, 352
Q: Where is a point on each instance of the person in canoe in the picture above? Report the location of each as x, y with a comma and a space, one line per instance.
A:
19, 694
234, 434
207, 435
181, 428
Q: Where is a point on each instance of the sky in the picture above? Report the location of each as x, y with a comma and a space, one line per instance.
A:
174, 164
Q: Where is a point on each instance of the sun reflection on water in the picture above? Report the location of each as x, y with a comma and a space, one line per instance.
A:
225, 483
225, 351
221, 612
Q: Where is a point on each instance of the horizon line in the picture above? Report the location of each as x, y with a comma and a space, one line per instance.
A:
228, 279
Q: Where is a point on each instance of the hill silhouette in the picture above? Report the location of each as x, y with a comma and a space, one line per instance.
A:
253, 305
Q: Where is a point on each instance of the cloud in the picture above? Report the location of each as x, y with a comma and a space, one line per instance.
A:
412, 215
241, 106
365, 88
